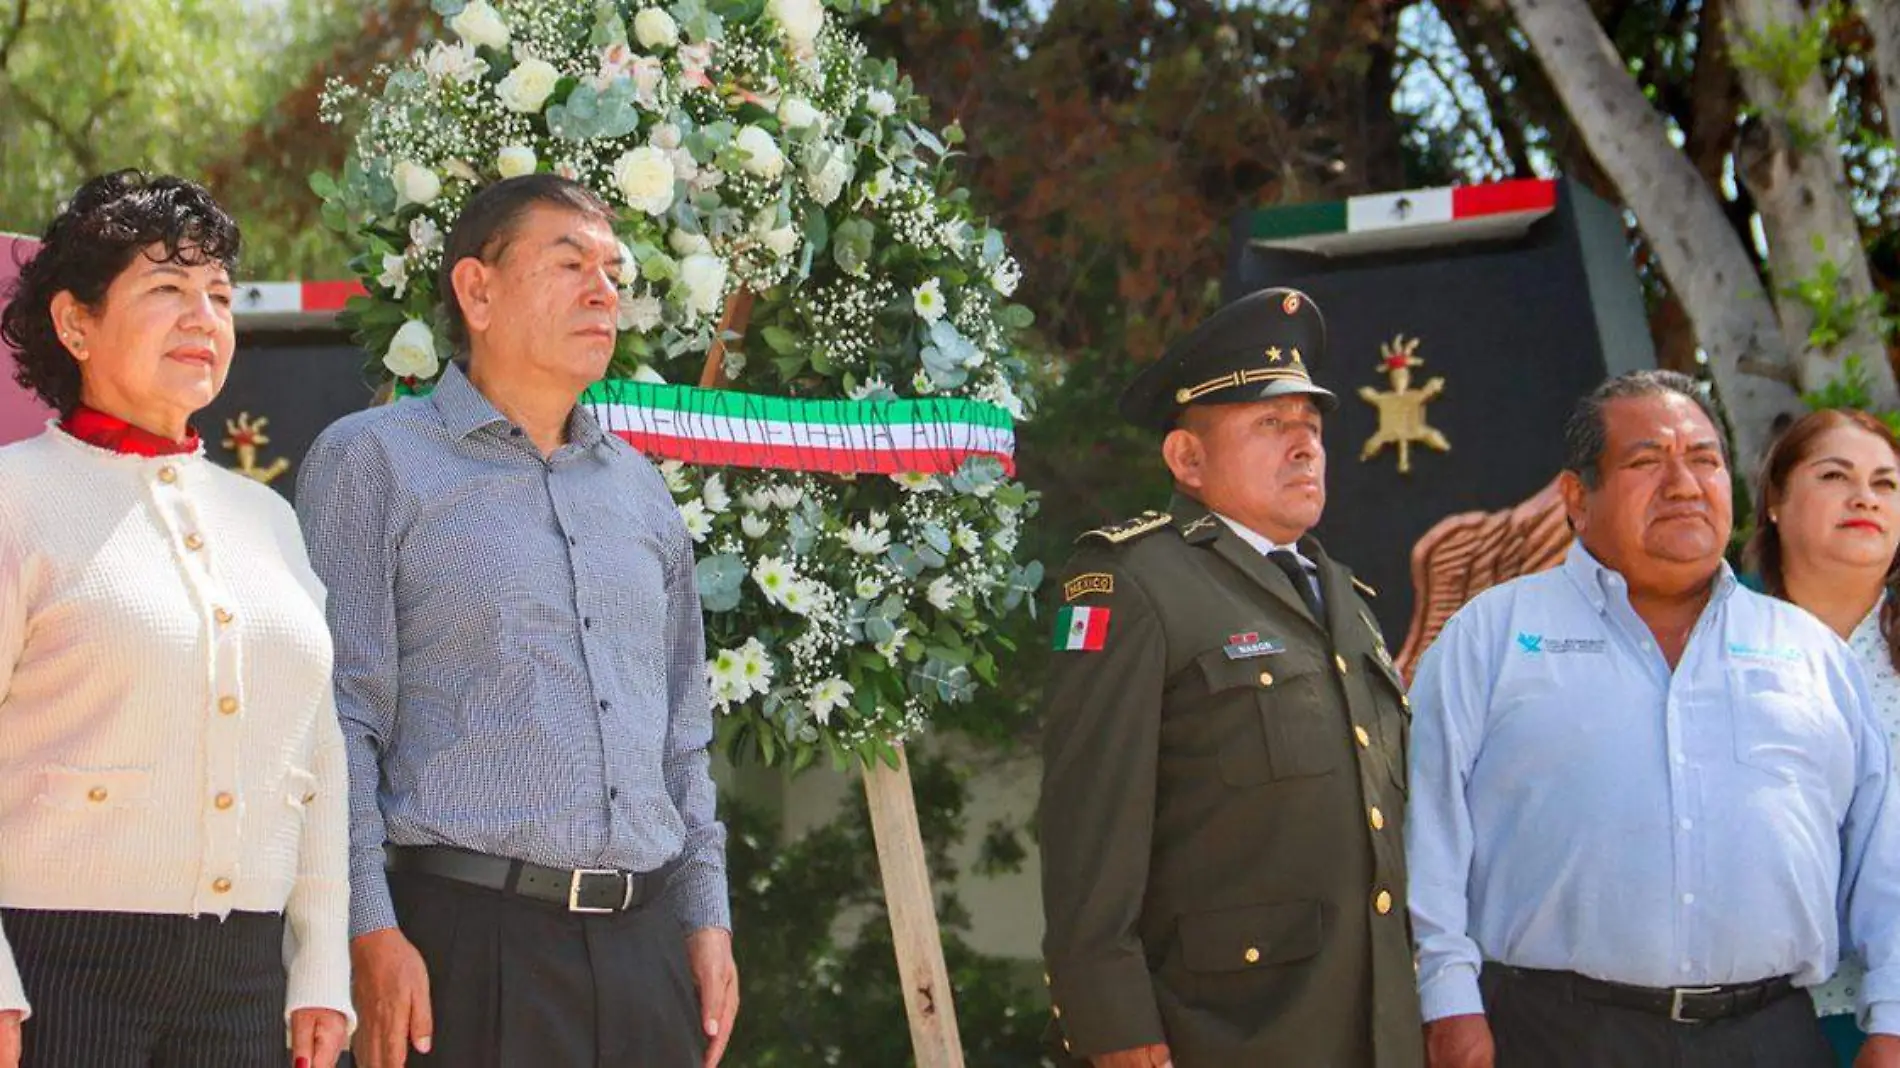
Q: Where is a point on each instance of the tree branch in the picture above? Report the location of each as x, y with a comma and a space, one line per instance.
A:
14, 33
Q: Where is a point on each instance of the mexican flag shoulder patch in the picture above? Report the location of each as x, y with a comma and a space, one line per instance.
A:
1080, 630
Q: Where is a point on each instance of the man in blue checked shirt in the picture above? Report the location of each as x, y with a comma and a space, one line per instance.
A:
1648, 805
537, 876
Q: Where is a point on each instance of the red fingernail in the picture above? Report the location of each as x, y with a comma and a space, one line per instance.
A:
303, 1062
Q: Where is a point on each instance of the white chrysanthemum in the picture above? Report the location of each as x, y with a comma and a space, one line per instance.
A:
878, 185
727, 666
698, 520
754, 525
799, 598
638, 312
967, 538
644, 177
866, 541
674, 472
927, 300
879, 520
870, 387
714, 494
395, 276
787, 497
411, 352
942, 593
879, 102
757, 666
774, 577
828, 697
916, 481
893, 647
526, 88
756, 499
868, 588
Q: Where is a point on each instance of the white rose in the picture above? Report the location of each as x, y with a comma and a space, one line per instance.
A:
515, 161
686, 243
827, 173
654, 28
783, 241
528, 86
879, 103
415, 184
704, 277
797, 113
454, 62
799, 20
638, 314
481, 25
762, 156
412, 352
644, 177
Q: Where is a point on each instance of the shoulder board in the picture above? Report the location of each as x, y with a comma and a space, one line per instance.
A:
1364, 588
1130, 529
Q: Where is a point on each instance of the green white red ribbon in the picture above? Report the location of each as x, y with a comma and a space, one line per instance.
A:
727, 428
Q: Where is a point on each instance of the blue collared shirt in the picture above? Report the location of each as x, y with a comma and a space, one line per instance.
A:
1577, 806
520, 665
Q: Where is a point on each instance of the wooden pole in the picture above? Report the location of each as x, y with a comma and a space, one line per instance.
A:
900, 842
920, 966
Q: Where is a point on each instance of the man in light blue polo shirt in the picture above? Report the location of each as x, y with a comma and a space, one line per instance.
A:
1647, 804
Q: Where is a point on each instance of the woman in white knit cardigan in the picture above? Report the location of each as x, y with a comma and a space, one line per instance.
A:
173, 889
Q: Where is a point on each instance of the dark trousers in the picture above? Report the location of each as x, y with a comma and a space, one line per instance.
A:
135, 990
518, 983
1538, 1021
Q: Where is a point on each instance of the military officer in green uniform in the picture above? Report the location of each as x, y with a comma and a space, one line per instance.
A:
1223, 791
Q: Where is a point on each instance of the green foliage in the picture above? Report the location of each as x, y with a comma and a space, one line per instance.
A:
814, 949
1787, 57
1835, 316
88, 86
1849, 389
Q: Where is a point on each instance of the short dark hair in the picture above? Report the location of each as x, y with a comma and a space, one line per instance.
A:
1585, 431
488, 223
109, 221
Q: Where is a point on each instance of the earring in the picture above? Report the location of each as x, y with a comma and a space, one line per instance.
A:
1773, 518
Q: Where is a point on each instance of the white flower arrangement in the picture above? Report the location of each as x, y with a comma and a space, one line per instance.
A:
763, 153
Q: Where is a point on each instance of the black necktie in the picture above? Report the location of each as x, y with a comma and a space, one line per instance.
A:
1296, 573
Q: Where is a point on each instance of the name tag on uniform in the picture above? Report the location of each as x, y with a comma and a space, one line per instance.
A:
1251, 644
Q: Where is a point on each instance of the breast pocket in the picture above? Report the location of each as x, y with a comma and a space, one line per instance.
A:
1395, 716
95, 789
1280, 722
1783, 726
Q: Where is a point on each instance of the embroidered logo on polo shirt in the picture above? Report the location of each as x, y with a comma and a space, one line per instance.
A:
1538, 645
1786, 654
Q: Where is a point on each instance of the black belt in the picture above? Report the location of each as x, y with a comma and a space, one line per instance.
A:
1683, 1004
576, 889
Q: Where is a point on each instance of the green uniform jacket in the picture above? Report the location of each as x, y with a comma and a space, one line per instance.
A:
1223, 808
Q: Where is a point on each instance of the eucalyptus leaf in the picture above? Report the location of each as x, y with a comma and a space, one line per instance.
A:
448, 9
720, 580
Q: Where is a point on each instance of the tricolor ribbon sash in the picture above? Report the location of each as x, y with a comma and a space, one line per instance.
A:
732, 429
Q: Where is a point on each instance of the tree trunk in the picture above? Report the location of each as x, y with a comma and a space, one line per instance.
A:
1789, 157
1883, 25
1698, 251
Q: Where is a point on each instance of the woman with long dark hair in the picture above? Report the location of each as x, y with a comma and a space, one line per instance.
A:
1827, 528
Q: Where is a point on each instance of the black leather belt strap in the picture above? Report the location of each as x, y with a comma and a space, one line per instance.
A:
1683, 1004
575, 889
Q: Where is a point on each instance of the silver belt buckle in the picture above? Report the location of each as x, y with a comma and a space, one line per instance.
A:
574, 890
1675, 1001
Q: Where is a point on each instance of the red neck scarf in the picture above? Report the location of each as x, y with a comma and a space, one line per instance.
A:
114, 434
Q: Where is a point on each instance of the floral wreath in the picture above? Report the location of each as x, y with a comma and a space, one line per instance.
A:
791, 232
